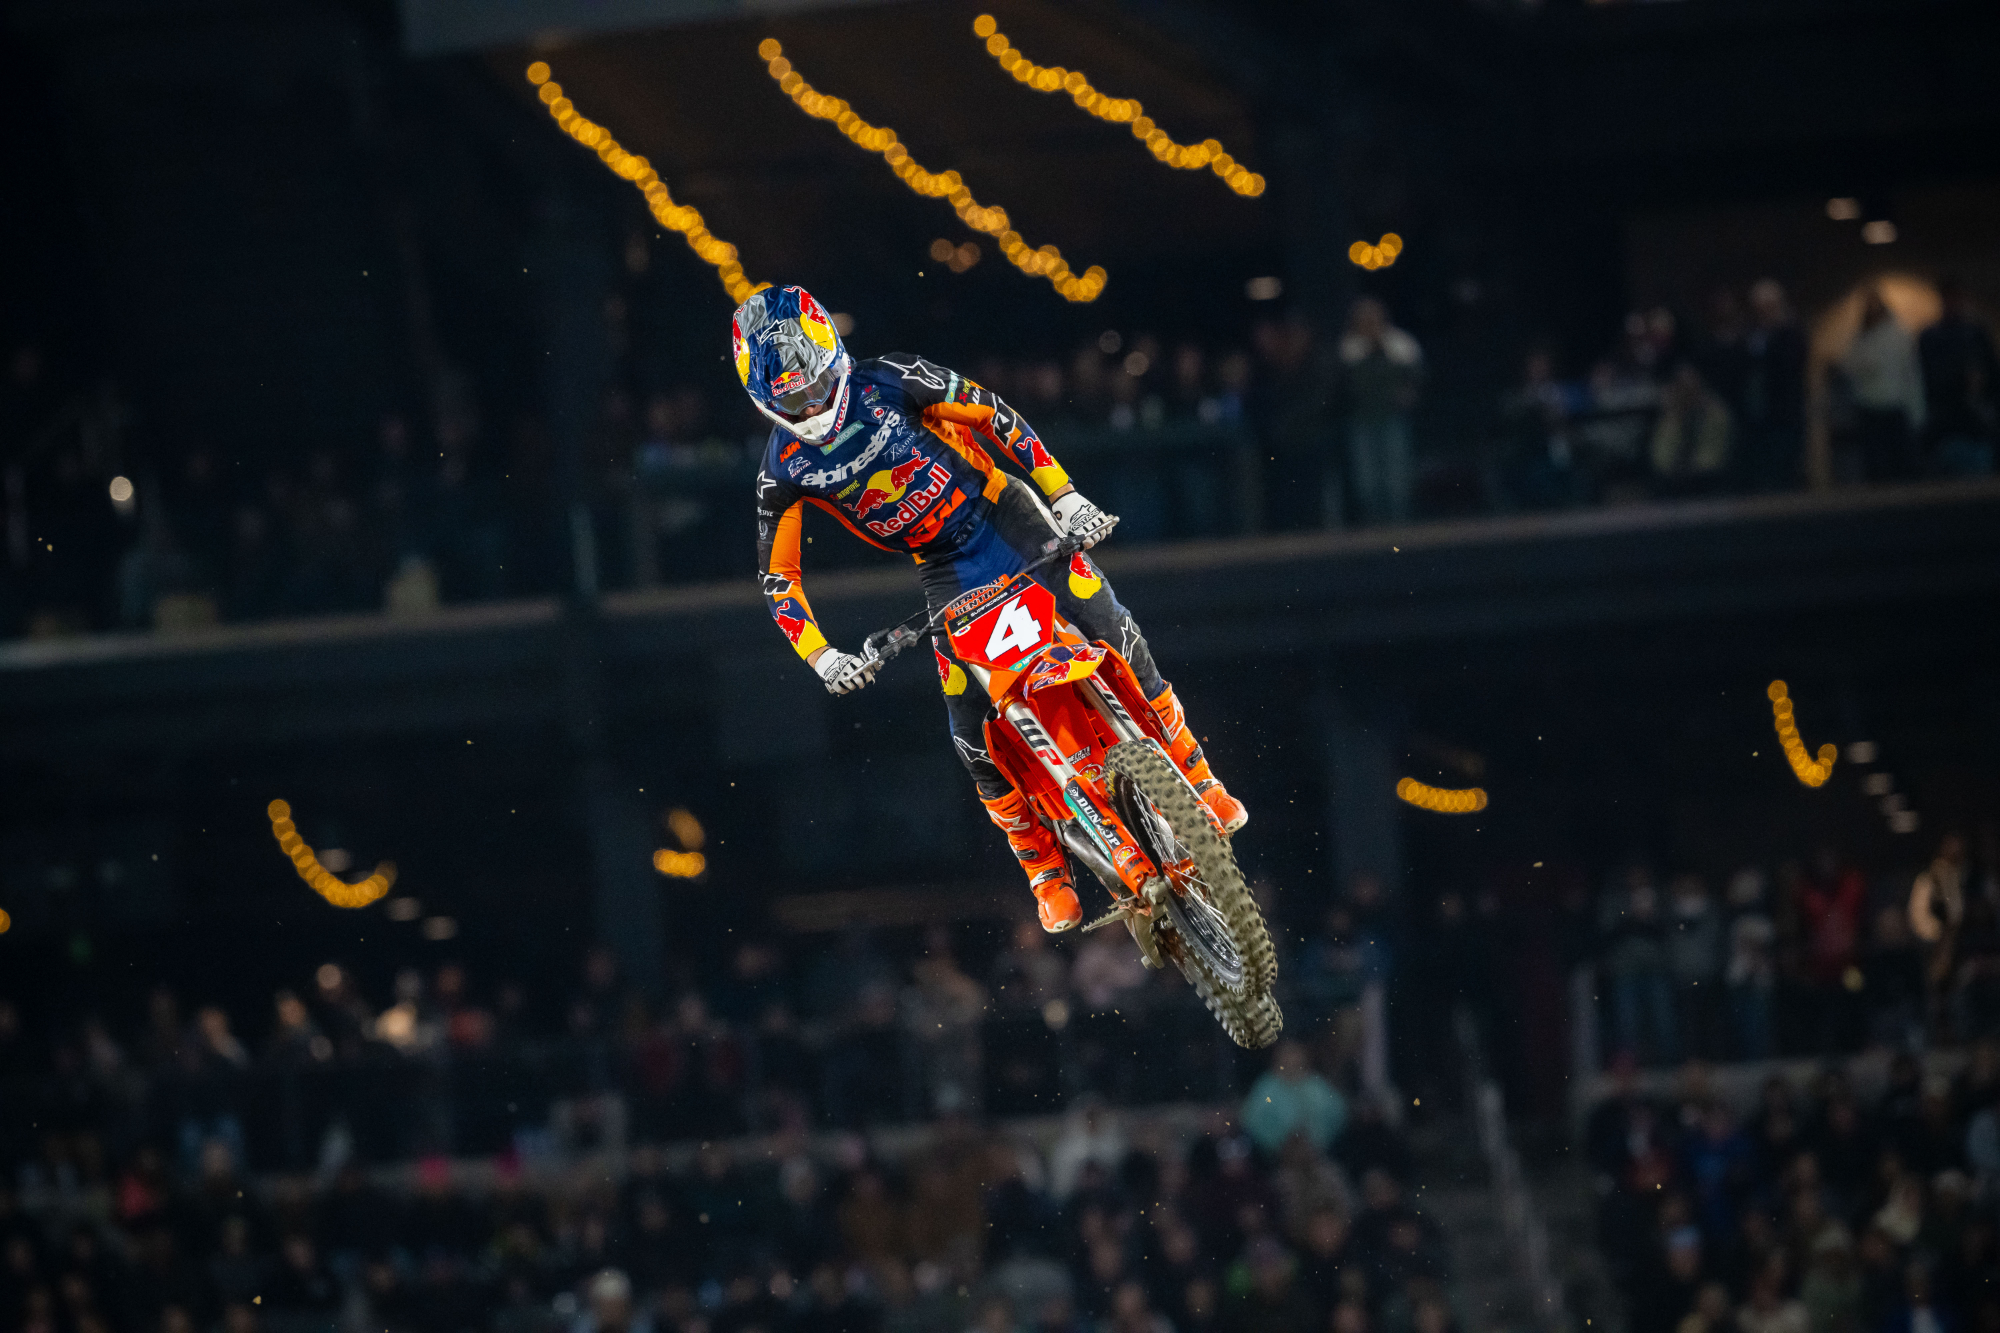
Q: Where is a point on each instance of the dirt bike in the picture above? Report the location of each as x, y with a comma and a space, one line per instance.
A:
1072, 731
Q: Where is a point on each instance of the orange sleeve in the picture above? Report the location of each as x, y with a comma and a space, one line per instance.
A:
947, 427
784, 589
1008, 431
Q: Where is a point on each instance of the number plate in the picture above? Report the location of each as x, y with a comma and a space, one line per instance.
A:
1008, 630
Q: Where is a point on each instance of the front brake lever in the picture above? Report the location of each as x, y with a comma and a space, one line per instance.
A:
878, 648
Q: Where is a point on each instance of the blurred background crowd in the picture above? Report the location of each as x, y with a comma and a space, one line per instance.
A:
1316, 424
1805, 1202
867, 1130
155, 1178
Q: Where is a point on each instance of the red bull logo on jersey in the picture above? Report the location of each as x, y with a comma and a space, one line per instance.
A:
887, 486
913, 503
791, 617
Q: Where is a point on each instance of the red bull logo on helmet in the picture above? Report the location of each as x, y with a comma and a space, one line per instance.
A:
815, 322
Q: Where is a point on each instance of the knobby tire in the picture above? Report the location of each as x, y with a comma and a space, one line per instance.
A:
1243, 1006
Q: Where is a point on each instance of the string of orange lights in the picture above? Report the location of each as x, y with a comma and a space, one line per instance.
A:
1379, 255
1812, 773
1042, 261
688, 863
683, 218
1442, 800
1118, 110
323, 881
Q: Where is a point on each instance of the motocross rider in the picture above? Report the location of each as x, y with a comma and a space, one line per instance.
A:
896, 448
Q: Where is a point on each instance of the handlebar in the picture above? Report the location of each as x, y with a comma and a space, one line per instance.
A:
884, 644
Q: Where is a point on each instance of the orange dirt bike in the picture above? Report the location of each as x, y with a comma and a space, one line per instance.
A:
1074, 734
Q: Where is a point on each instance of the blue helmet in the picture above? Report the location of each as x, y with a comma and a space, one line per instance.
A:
790, 359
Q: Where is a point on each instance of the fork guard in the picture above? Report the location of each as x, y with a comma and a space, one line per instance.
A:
1116, 684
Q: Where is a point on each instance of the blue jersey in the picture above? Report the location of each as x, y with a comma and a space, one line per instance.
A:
905, 467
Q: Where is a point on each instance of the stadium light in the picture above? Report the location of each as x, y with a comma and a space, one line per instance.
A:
1044, 261
1118, 110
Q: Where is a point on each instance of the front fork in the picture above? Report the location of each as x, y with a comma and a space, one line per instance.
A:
1094, 835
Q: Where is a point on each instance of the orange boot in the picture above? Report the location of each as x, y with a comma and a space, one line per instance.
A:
1047, 867
1187, 756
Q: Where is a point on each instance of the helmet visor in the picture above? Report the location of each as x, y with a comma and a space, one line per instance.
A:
811, 398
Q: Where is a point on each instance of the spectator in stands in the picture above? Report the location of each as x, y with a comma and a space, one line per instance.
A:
1720, 350
1670, 1283
1769, 1310
1028, 973
1107, 969
1631, 920
943, 1010
1372, 1142
295, 1037
1536, 460
1188, 398
1691, 436
1089, 391
1331, 973
1771, 411
1961, 387
1623, 397
254, 586
1091, 1135
1291, 409
1937, 916
1752, 970
1830, 900
1234, 376
1694, 959
150, 574
1719, 1166
1270, 1301
608, 1306
1919, 1312
1887, 385
1291, 1098
1382, 369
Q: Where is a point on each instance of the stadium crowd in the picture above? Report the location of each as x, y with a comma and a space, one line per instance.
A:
1815, 1210
1120, 1224
1812, 1202
107, 526
860, 1031
1819, 958
123, 1211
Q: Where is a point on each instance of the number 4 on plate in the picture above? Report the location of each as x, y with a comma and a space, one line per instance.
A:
1016, 629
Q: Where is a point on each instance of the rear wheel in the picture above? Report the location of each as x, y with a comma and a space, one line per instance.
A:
1226, 950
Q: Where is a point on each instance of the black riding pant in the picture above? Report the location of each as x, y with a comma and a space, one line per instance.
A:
1011, 538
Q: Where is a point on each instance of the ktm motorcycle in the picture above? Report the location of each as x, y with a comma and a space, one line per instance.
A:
1072, 731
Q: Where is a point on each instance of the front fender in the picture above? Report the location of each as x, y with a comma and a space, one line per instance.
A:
1063, 664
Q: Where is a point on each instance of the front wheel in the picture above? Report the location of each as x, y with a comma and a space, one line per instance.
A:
1224, 947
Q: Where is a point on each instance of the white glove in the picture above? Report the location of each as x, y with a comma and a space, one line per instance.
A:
1083, 521
843, 673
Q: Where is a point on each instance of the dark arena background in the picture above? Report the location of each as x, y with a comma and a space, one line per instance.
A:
1555, 445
